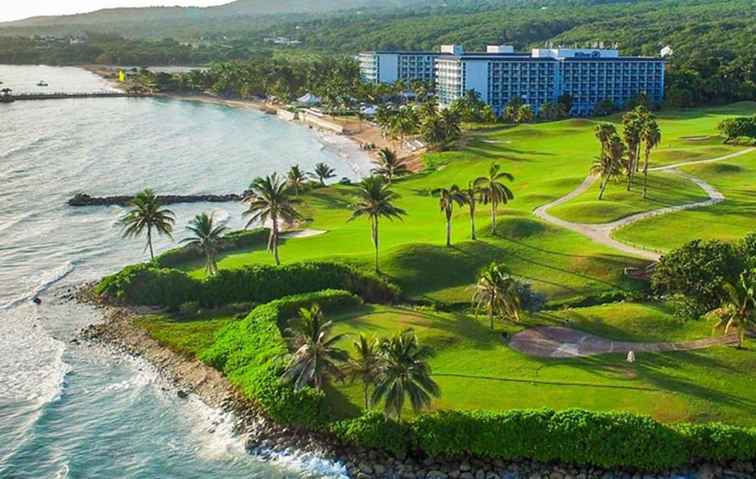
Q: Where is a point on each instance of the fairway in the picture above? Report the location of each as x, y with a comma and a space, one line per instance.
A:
475, 367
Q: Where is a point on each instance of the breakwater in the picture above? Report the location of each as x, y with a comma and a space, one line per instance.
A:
81, 199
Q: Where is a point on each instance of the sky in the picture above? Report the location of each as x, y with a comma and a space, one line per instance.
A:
18, 9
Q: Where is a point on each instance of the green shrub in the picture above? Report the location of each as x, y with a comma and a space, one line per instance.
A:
719, 442
575, 436
232, 241
148, 285
373, 430
251, 354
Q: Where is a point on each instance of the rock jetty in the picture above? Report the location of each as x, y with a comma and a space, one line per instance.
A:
81, 199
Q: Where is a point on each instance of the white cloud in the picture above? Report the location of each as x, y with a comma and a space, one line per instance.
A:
18, 9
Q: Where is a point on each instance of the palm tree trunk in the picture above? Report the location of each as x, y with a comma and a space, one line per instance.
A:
365, 392
493, 217
448, 230
491, 317
645, 176
149, 243
604, 182
472, 221
274, 239
374, 227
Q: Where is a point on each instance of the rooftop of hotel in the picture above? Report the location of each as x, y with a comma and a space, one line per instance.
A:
538, 54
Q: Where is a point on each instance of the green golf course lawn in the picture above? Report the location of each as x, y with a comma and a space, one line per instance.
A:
474, 367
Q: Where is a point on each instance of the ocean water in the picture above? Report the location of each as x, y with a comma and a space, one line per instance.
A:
71, 410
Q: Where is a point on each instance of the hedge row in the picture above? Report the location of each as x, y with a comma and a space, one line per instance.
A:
149, 285
604, 439
235, 240
251, 353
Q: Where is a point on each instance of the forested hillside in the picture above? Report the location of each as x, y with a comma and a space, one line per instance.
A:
712, 39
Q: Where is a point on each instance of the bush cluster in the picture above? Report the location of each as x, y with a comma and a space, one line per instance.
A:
148, 285
698, 269
739, 127
235, 240
603, 439
251, 354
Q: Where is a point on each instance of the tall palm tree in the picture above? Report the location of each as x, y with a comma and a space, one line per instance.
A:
206, 236
447, 197
738, 310
497, 293
146, 214
651, 138
632, 125
389, 165
609, 164
365, 364
376, 202
270, 201
604, 132
494, 191
315, 357
296, 179
405, 375
471, 194
323, 172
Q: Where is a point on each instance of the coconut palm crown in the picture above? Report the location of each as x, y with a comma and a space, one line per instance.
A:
447, 197
405, 375
493, 191
315, 358
376, 201
270, 202
738, 310
206, 236
146, 214
323, 172
389, 166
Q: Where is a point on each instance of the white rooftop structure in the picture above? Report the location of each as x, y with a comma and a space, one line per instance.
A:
453, 49
666, 51
574, 53
500, 49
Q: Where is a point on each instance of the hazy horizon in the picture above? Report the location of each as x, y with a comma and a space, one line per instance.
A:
21, 9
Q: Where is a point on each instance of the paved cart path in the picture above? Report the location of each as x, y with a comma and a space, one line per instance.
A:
602, 233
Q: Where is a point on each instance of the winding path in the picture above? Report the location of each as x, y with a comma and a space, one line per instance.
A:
558, 342
602, 233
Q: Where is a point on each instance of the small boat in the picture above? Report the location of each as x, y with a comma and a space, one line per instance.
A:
42, 83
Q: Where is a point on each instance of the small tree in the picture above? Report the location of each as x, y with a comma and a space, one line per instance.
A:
650, 137
447, 197
406, 374
206, 236
389, 165
609, 165
296, 179
498, 294
493, 191
365, 364
471, 194
316, 357
146, 214
323, 172
738, 309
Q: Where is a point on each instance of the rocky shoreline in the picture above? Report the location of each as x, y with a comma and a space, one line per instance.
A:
266, 439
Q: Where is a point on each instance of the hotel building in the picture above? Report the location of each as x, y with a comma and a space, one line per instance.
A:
498, 75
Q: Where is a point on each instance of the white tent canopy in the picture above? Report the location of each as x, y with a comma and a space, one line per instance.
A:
309, 100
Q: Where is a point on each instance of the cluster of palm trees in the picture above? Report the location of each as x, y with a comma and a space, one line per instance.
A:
395, 368
488, 189
437, 127
622, 154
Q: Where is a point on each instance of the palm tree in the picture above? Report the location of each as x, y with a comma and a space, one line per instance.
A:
206, 236
145, 213
738, 310
446, 200
323, 172
498, 293
315, 357
604, 132
633, 124
365, 365
651, 137
376, 201
494, 191
389, 165
608, 165
270, 201
405, 375
296, 179
471, 199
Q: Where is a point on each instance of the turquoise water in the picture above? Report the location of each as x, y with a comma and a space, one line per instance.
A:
69, 410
